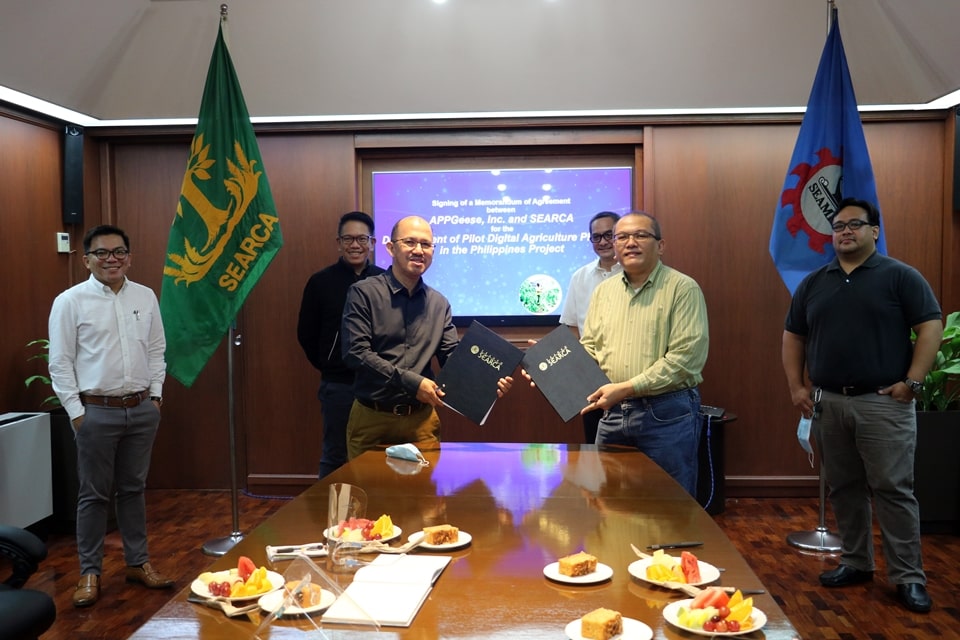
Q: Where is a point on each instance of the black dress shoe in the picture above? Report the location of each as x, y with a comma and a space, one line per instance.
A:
844, 575
914, 597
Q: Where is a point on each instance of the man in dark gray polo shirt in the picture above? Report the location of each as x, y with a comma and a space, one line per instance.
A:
849, 327
393, 326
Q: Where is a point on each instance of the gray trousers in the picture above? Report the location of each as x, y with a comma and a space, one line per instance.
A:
868, 444
113, 450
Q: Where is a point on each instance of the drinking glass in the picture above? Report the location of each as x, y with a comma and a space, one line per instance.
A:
345, 501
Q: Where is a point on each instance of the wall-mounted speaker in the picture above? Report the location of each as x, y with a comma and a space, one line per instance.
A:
73, 175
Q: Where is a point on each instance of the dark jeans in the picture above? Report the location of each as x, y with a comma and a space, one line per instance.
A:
336, 398
665, 427
590, 421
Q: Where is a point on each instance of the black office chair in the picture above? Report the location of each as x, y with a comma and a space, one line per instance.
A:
24, 613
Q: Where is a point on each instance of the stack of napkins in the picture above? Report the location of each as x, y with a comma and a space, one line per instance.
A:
389, 591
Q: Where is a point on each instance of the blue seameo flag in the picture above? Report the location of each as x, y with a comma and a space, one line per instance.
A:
830, 162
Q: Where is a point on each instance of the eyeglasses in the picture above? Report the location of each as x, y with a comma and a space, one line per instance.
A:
361, 240
597, 238
102, 254
623, 238
412, 244
838, 227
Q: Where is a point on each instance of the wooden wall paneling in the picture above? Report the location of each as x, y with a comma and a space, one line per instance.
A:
31, 168
313, 181
907, 162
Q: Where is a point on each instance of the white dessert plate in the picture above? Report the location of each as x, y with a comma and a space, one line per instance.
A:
602, 573
708, 572
632, 630
463, 539
274, 600
671, 610
396, 534
199, 587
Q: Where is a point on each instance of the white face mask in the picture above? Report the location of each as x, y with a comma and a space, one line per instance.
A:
803, 436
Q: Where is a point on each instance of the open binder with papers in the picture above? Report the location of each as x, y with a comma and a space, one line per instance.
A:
389, 591
308, 590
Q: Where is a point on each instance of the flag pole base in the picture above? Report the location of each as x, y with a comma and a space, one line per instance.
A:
818, 540
220, 546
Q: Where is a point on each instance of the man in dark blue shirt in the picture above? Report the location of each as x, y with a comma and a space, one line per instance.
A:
393, 326
318, 331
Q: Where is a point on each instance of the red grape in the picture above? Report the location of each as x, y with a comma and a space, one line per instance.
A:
733, 625
721, 627
709, 625
723, 612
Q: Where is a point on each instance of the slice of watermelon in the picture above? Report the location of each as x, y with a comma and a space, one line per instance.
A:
690, 566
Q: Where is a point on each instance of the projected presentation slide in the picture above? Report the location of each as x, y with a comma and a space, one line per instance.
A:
507, 241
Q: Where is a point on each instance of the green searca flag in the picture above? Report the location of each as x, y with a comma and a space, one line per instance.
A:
226, 229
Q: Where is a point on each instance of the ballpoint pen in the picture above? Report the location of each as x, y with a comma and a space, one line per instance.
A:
674, 545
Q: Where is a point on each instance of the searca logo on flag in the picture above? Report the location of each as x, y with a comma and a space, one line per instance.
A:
210, 238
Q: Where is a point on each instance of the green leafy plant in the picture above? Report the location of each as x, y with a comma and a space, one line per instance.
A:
941, 387
44, 345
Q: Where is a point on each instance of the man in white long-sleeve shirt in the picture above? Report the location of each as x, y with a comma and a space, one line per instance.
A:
107, 367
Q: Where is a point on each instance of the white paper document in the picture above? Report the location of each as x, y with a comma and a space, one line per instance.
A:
390, 590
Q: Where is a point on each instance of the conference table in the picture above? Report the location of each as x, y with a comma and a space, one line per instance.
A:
525, 506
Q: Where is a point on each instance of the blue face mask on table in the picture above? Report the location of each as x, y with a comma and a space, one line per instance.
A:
407, 452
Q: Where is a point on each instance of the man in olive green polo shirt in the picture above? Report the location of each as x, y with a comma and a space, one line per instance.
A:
648, 332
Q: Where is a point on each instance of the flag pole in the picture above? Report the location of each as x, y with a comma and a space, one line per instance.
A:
820, 539
220, 546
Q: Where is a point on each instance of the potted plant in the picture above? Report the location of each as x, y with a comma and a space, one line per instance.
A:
936, 473
44, 346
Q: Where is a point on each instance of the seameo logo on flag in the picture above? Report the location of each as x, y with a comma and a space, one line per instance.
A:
815, 198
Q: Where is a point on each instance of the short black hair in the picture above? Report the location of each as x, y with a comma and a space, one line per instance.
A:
873, 214
104, 230
355, 216
656, 223
603, 214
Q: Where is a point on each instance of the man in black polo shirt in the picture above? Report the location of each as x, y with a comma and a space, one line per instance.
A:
849, 323
393, 326
318, 331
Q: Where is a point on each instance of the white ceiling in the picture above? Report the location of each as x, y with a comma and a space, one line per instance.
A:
131, 59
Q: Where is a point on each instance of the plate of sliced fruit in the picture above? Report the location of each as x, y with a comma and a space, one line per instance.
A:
244, 582
364, 530
715, 613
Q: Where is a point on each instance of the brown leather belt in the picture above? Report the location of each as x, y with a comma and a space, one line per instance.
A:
396, 409
117, 402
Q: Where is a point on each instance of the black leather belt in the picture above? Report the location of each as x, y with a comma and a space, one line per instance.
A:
396, 409
851, 391
117, 402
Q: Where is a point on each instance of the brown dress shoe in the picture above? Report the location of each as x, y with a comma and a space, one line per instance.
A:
88, 590
148, 577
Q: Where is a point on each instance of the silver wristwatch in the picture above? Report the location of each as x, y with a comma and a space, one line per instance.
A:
915, 387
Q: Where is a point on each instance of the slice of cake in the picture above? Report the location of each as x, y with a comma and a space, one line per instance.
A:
601, 624
309, 596
579, 564
441, 534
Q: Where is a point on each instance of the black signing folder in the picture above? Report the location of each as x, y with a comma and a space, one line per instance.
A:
563, 371
469, 377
